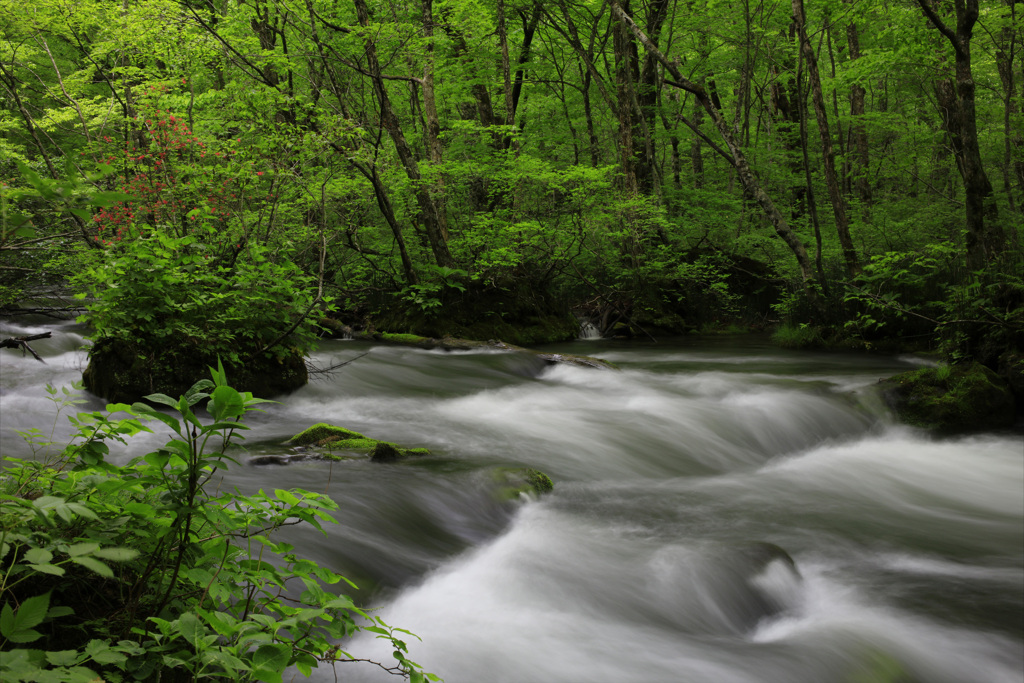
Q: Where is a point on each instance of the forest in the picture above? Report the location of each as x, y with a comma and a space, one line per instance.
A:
847, 172
222, 183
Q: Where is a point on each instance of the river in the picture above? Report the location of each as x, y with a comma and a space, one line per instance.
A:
723, 511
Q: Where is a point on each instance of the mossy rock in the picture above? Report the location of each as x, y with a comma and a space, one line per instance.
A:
954, 398
124, 372
323, 433
331, 437
513, 482
458, 344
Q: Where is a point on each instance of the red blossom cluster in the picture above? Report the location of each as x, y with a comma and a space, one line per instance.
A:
171, 181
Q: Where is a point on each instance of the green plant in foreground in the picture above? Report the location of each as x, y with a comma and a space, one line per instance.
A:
141, 573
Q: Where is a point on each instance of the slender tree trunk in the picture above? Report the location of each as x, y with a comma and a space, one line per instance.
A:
861, 151
431, 218
696, 149
595, 145
787, 103
1013, 140
624, 79
835, 192
747, 176
380, 192
432, 127
985, 238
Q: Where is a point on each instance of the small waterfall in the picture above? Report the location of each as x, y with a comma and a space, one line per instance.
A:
588, 330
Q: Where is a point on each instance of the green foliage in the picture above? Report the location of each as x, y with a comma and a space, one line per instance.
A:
159, 290
802, 336
928, 293
141, 573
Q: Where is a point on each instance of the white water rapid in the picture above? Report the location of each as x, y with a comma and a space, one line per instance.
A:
723, 512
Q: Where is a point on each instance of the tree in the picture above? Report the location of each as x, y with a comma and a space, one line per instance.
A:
985, 237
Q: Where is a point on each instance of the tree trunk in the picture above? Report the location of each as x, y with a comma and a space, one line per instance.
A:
859, 135
985, 238
835, 192
1013, 140
747, 177
430, 216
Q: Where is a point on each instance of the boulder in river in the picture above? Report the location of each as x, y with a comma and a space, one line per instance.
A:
319, 442
321, 434
123, 372
514, 481
964, 397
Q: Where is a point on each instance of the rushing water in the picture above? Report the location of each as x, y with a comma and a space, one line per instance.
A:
723, 511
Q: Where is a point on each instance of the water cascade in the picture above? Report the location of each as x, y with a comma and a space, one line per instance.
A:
589, 330
724, 512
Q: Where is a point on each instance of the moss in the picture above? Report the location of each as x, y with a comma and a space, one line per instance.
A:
323, 433
957, 398
333, 437
358, 443
540, 482
514, 482
403, 338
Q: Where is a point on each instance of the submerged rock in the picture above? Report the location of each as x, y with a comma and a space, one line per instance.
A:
384, 452
322, 440
514, 482
952, 398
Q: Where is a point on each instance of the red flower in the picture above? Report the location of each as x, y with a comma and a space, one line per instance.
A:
259, 172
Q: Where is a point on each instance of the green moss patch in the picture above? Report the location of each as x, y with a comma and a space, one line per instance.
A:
332, 438
323, 433
951, 398
513, 482
403, 338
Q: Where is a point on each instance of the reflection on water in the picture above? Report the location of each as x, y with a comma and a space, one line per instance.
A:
723, 511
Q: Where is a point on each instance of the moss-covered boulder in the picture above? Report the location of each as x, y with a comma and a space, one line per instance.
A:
321, 434
512, 482
953, 398
329, 438
122, 372
383, 451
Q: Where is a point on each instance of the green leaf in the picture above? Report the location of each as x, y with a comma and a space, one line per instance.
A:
16, 626
286, 496
117, 554
38, 556
32, 611
95, 565
83, 549
51, 569
171, 422
269, 660
102, 653
63, 658
162, 399
190, 628
225, 403
6, 620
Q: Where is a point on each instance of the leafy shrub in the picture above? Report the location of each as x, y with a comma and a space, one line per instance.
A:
141, 573
801, 336
161, 290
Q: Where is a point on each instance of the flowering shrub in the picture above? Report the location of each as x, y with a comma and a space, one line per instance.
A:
178, 184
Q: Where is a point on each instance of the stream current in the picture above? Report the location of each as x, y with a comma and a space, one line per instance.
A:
723, 511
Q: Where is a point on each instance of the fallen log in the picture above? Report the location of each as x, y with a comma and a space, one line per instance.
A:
22, 343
